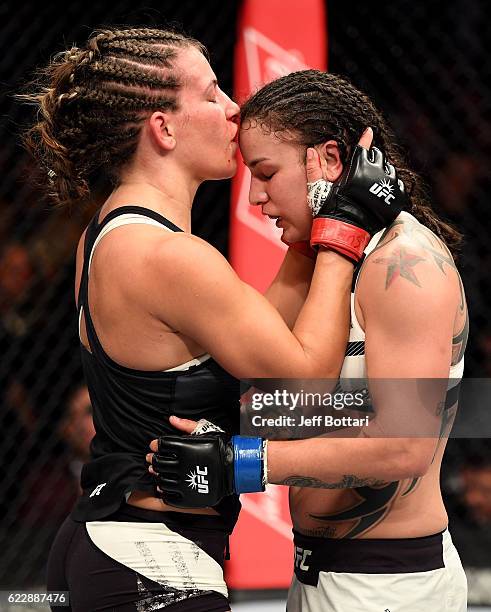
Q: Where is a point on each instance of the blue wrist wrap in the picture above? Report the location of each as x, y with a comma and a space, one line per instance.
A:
248, 464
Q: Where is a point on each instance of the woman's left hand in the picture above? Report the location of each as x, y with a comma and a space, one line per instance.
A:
185, 425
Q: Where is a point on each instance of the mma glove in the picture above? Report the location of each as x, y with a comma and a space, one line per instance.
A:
199, 470
366, 198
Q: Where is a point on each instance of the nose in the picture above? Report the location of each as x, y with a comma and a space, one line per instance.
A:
256, 195
232, 110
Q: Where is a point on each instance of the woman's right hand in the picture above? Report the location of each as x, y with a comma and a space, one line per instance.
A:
367, 197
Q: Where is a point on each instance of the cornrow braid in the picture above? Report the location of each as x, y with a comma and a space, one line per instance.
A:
129, 48
92, 101
139, 34
309, 107
124, 99
127, 73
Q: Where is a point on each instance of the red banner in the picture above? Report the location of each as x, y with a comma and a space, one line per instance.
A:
275, 37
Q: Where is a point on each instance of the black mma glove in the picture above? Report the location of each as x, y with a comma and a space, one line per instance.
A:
366, 198
198, 471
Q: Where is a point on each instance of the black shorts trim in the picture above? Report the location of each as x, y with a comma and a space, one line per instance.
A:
201, 521
365, 556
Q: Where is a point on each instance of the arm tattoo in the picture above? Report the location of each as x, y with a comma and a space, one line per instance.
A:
426, 239
348, 481
459, 342
447, 418
400, 263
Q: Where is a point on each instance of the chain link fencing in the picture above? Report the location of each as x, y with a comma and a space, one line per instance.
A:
424, 64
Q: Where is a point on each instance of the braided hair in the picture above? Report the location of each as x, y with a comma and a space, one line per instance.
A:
93, 100
310, 107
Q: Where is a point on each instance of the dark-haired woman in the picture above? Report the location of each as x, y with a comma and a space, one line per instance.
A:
370, 526
164, 322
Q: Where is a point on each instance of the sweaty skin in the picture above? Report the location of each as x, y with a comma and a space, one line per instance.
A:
410, 303
143, 325
408, 253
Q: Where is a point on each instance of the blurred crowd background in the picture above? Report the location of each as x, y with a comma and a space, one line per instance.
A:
425, 64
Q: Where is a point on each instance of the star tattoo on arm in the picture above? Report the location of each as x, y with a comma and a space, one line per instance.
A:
400, 263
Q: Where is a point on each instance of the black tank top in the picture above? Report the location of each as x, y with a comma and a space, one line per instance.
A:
132, 407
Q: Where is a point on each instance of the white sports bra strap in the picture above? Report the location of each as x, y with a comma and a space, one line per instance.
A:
127, 219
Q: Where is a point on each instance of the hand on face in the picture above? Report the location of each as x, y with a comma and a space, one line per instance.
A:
280, 171
315, 165
320, 176
366, 198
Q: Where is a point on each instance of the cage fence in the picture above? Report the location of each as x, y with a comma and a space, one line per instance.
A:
424, 64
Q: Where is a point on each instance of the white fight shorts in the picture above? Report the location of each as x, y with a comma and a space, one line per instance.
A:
384, 575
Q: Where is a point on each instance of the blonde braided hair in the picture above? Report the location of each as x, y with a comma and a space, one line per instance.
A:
92, 100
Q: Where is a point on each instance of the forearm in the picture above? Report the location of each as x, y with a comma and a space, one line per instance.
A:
338, 463
322, 325
290, 287
240, 465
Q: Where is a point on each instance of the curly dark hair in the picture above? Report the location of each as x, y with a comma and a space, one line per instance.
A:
92, 101
310, 107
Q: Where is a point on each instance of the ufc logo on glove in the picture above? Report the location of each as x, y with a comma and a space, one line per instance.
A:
197, 480
383, 190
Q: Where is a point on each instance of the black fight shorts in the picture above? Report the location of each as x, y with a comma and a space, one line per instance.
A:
181, 550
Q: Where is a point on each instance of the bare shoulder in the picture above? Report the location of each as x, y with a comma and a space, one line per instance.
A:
410, 301
195, 271
150, 266
139, 252
409, 255
410, 269
167, 274
190, 255
406, 229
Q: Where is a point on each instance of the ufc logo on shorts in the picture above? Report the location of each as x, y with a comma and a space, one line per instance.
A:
301, 555
383, 190
98, 489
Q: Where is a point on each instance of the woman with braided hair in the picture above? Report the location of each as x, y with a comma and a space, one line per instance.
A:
370, 526
165, 324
